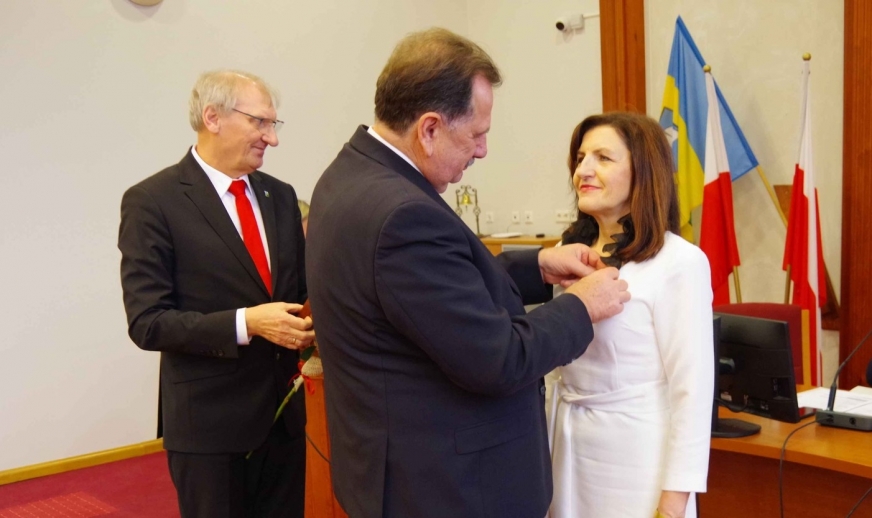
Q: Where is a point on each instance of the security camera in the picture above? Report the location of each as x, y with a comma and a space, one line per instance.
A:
569, 23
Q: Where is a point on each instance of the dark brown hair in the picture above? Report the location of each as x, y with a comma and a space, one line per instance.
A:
432, 70
653, 202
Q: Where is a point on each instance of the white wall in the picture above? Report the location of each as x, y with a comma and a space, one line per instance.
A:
755, 50
95, 99
551, 83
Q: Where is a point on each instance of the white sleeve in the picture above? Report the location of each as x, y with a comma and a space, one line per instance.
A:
683, 328
242, 337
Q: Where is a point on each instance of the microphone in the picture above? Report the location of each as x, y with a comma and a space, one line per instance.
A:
830, 417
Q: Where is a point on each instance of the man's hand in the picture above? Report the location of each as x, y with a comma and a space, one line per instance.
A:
275, 322
602, 292
564, 265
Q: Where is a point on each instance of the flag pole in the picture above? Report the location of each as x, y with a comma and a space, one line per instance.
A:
772, 195
787, 287
775, 202
737, 285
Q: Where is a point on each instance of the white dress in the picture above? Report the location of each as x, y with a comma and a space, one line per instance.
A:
632, 416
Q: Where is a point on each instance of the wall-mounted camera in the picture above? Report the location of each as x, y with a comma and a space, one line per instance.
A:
570, 23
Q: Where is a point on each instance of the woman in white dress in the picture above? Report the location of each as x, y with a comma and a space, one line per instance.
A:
630, 419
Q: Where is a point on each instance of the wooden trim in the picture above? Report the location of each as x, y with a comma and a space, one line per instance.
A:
622, 43
82, 461
856, 192
495, 245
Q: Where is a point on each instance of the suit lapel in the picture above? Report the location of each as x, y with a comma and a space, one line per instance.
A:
202, 193
268, 213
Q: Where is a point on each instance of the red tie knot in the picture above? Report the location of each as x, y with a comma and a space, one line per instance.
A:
237, 188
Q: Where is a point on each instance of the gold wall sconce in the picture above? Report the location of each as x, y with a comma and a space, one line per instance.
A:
468, 196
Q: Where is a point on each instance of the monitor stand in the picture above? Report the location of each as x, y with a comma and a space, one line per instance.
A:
732, 428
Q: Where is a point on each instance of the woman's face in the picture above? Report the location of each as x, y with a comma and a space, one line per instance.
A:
604, 175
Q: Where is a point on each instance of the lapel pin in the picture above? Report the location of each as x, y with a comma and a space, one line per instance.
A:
266, 193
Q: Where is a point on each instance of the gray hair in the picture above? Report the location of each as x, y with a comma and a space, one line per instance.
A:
220, 88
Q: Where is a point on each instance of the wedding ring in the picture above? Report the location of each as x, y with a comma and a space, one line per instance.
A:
294, 341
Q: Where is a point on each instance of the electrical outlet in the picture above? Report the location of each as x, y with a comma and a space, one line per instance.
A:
528, 216
564, 216
516, 216
488, 217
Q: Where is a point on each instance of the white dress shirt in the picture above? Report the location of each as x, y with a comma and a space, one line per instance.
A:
222, 182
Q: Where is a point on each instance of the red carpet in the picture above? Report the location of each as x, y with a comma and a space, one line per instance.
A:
139, 487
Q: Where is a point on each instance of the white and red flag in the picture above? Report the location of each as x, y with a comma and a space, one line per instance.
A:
802, 250
717, 232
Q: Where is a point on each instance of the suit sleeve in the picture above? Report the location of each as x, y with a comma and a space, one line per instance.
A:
154, 321
683, 327
523, 267
433, 293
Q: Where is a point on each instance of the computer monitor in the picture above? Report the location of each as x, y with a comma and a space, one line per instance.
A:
725, 428
756, 367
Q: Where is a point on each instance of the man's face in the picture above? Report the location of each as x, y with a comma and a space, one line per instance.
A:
459, 143
242, 140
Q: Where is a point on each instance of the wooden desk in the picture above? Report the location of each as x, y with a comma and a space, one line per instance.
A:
826, 471
495, 245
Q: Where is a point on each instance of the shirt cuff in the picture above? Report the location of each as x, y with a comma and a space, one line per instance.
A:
242, 337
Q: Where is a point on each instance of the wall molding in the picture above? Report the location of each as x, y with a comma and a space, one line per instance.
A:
79, 462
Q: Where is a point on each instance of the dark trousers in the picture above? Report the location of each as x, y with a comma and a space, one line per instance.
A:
270, 484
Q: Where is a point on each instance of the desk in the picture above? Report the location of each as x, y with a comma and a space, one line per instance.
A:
495, 245
826, 470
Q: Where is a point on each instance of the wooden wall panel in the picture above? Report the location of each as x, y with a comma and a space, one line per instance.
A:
622, 38
856, 318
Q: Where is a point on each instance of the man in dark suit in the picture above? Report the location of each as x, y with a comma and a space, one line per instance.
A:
433, 371
213, 270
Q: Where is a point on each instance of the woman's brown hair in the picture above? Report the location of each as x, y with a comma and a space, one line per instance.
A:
653, 202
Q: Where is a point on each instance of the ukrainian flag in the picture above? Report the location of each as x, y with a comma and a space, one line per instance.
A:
685, 108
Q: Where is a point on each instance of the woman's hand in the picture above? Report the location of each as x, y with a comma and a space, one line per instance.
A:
673, 504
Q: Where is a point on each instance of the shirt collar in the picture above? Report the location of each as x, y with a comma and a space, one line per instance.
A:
391, 147
219, 180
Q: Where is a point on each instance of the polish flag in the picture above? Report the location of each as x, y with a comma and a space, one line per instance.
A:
802, 250
717, 232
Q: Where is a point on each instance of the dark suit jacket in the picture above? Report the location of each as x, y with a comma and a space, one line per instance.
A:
432, 369
185, 271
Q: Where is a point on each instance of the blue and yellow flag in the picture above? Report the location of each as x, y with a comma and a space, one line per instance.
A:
685, 109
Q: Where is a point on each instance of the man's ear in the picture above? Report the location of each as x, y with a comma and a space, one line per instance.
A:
211, 119
429, 127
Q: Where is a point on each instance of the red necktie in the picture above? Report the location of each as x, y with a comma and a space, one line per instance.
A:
250, 232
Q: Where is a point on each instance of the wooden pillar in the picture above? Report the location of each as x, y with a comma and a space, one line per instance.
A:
622, 38
856, 317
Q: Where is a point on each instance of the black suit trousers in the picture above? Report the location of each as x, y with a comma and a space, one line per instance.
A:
269, 484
